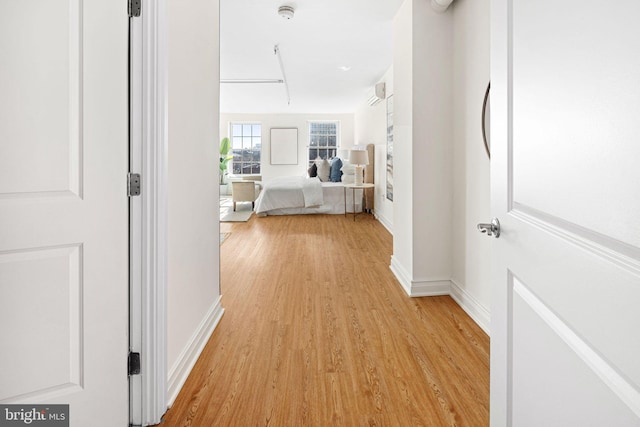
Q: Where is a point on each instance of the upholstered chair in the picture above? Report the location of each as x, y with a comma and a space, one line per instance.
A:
243, 191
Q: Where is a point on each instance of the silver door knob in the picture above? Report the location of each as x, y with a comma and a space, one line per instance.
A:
492, 229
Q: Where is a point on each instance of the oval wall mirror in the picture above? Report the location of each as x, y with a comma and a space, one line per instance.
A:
486, 120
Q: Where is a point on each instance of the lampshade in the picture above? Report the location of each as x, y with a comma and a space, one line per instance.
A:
358, 157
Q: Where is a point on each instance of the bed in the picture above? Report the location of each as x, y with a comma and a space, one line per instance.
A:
294, 195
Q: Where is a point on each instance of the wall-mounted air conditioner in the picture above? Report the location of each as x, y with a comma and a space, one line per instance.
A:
440, 5
378, 94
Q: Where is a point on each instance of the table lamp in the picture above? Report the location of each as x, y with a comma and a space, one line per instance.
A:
359, 158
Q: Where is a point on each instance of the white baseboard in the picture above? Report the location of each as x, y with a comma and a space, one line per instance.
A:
430, 288
384, 221
419, 288
425, 288
180, 370
479, 313
401, 274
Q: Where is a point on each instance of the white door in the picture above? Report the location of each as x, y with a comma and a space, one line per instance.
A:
63, 207
565, 175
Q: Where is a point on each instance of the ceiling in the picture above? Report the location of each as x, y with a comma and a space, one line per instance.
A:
322, 37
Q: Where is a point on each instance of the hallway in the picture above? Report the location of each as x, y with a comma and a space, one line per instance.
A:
318, 332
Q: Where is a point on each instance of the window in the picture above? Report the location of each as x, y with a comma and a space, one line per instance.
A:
246, 144
323, 140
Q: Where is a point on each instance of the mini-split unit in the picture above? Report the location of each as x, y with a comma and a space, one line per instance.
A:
379, 93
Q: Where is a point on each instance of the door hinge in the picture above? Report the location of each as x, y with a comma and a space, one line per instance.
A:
133, 184
135, 7
134, 363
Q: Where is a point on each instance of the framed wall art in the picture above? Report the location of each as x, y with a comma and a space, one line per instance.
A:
284, 146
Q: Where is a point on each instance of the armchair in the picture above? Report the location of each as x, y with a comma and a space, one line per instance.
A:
243, 191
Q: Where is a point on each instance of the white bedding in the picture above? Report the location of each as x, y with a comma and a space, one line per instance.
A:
312, 192
294, 195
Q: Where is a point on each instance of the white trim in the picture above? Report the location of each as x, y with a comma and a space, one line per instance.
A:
136, 267
384, 221
435, 287
612, 250
430, 288
618, 384
187, 359
419, 288
149, 147
401, 274
155, 208
479, 313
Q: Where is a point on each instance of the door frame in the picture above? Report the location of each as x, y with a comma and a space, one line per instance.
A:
149, 211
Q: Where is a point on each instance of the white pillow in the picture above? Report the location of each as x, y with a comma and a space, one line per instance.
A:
324, 169
348, 168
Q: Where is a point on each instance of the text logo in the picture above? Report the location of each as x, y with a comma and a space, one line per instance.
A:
34, 415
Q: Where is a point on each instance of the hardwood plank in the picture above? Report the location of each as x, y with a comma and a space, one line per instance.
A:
317, 331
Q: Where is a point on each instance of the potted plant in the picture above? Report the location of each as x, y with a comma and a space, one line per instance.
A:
225, 147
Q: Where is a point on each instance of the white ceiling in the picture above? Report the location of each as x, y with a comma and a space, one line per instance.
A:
323, 36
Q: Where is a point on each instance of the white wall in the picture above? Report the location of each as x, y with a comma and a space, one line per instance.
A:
402, 143
370, 125
423, 148
193, 235
471, 166
299, 121
441, 69
432, 143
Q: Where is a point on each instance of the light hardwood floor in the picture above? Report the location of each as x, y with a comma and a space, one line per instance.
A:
318, 332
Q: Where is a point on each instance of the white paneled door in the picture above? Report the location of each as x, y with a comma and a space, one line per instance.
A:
63, 207
566, 189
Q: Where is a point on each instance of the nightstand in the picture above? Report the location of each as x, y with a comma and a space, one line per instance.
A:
353, 188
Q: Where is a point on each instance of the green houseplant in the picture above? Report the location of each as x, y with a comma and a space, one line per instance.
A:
225, 147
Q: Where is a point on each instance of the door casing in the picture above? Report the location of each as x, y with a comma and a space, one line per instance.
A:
148, 226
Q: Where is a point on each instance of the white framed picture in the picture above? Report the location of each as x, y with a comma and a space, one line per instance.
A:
284, 146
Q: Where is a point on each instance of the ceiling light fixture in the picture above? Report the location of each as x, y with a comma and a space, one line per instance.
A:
286, 12
344, 68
